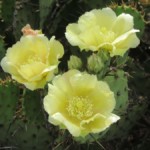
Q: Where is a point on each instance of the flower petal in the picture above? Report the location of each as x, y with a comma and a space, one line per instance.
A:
78, 82
105, 17
59, 119
103, 100
124, 42
56, 98
56, 51
8, 66
124, 36
102, 18
29, 71
122, 24
98, 123
91, 38
32, 85
72, 32
130, 41
63, 84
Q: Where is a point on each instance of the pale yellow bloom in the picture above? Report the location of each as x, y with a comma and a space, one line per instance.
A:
102, 29
33, 60
80, 103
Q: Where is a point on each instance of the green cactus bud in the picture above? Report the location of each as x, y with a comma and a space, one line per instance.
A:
74, 62
94, 63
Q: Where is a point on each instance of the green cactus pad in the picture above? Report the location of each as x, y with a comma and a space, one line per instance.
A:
96, 3
29, 136
32, 106
45, 6
117, 81
25, 13
9, 95
7, 11
122, 128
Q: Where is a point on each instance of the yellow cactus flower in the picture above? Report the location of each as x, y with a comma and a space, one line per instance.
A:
33, 60
102, 29
80, 103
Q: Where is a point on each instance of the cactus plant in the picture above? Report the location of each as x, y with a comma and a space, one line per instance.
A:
23, 121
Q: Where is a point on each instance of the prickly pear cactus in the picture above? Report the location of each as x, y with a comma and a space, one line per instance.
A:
119, 79
24, 123
9, 94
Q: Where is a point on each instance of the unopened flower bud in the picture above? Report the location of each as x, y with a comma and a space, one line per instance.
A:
95, 63
74, 62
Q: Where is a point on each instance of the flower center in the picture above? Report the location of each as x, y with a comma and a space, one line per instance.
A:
80, 107
34, 59
108, 35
